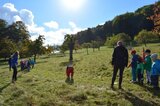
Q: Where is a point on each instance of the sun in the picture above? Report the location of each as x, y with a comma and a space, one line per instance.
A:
73, 5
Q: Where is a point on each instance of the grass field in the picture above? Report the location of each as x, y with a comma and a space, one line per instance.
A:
45, 84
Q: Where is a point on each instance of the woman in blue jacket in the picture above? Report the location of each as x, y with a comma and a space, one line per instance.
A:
14, 63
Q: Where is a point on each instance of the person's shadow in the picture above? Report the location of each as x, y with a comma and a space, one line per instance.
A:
136, 101
5, 86
155, 92
69, 81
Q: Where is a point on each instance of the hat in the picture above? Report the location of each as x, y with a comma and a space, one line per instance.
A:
119, 43
147, 51
154, 56
133, 52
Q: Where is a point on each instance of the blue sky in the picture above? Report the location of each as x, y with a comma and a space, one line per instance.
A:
66, 16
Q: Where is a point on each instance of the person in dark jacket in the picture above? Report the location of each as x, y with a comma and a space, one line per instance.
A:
119, 62
14, 63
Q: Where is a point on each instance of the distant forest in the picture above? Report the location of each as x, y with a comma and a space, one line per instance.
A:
130, 23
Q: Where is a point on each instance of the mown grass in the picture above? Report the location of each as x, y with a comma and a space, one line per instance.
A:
45, 84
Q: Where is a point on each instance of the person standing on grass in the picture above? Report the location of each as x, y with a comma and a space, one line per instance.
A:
148, 65
9, 63
133, 65
155, 71
14, 63
69, 73
119, 62
140, 69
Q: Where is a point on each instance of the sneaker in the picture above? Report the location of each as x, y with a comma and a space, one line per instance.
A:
133, 81
67, 80
120, 87
72, 81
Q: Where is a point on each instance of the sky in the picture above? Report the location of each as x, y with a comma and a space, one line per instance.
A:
55, 18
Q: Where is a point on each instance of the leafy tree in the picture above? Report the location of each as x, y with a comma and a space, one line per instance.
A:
3, 26
156, 18
7, 47
146, 37
18, 32
111, 41
76, 46
49, 49
86, 45
70, 41
36, 47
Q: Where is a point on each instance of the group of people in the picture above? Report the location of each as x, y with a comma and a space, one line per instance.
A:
148, 63
27, 64
24, 64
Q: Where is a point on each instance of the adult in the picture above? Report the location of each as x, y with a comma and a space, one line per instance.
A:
119, 62
14, 63
155, 71
9, 63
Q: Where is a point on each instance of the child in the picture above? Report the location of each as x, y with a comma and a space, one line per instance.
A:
140, 70
147, 65
133, 65
155, 71
69, 73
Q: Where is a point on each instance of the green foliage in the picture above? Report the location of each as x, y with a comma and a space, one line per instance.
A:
17, 37
7, 47
49, 49
70, 41
145, 37
130, 23
36, 47
112, 41
86, 45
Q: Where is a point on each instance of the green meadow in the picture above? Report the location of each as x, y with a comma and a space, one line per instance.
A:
45, 84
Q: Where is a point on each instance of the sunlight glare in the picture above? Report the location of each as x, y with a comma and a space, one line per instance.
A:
73, 5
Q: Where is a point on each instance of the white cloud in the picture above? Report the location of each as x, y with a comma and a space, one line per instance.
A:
72, 24
16, 18
10, 7
52, 24
9, 13
27, 16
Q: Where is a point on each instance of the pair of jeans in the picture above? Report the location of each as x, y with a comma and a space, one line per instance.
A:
154, 81
133, 74
148, 74
140, 75
121, 69
14, 77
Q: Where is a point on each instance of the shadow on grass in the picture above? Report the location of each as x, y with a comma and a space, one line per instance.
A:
5, 86
155, 92
39, 62
64, 63
69, 81
136, 101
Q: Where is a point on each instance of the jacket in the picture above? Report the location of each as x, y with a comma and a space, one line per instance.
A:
148, 63
14, 60
155, 68
120, 56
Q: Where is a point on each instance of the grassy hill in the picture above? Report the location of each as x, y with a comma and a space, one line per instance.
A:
45, 84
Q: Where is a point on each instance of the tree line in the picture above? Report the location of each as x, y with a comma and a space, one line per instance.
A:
130, 24
16, 37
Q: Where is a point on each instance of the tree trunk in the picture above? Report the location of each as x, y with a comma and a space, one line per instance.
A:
87, 51
98, 48
35, 57
71, 51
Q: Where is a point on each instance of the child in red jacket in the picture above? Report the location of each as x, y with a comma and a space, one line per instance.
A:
69, 73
